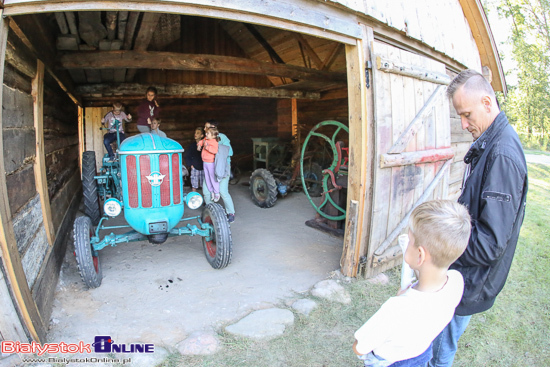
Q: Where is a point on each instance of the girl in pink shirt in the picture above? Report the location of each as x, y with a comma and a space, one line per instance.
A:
209, 148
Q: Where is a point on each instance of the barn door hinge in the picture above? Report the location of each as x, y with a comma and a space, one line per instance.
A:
367, 68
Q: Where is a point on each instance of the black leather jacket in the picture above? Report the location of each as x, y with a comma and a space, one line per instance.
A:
495, 194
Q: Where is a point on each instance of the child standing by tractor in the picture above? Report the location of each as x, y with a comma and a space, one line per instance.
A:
209, 148
194, 160
109, 121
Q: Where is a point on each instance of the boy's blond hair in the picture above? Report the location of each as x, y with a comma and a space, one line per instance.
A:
117, 106
443, 228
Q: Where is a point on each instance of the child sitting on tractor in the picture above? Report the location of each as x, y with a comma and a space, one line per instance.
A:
109, 121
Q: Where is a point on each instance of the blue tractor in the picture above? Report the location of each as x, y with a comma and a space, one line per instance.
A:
145, 183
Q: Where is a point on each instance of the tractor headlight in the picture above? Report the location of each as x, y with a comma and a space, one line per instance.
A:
112, 207
193, 200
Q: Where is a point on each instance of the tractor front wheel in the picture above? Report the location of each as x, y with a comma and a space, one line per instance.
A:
219, 248
86, 258
89, 187
263, 188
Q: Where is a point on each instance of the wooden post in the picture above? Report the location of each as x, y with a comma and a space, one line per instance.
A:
11, 259
81, 142
40, 160
360, 118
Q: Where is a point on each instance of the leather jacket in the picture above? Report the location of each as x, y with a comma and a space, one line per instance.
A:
495, 193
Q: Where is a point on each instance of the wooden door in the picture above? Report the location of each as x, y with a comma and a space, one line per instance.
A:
412, 146
94, 136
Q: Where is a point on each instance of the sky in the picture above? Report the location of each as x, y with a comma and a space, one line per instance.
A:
501, 32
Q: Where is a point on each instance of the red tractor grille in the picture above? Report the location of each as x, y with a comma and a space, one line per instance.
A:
133, 197
176, 178
164, 165
145, 170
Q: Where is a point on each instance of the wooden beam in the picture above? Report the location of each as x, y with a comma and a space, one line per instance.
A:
91, 92
486, 45
308, 50
320, 19
143, 39
130, 29
110, 24
361, 120
397, 67
122, 23
415, 125
258, 36
193, 62
332, 57
11, 259
62, 23
40, 160
418, 157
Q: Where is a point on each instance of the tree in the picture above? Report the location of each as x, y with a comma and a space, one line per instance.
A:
528, 103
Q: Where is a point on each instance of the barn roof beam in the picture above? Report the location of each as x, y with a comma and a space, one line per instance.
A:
135, 90
143, 39
192, 62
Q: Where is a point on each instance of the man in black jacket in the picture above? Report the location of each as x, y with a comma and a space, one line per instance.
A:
494, 190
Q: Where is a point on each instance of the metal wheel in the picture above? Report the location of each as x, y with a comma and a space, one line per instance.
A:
263, 188
89, 187
321, 131
86, 257
218, 248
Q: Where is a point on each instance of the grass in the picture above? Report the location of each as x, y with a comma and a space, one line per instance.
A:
514, 332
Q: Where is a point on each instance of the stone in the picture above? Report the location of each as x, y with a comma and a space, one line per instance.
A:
147, 359
199, 343
379, 279
263, 324
304, 306
331, 290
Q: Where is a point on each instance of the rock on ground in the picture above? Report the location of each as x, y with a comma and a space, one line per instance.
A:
331, 290
147, 359
200, 343
262, 324
304, 306
379, 279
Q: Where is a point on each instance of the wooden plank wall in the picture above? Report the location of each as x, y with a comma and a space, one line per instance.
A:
240, 119
41, 262
438, 23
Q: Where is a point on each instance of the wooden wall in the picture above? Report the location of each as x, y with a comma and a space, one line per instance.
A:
240, 119
41, 260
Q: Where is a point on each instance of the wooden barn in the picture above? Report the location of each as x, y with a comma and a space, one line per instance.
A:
264, 68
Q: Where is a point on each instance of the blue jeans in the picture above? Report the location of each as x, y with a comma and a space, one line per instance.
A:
446, 343
110, 138
419, 361
224, 193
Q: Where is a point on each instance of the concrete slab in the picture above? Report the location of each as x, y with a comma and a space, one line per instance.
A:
163, 293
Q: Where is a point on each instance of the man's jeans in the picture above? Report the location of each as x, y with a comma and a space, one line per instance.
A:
446, 343
224, 193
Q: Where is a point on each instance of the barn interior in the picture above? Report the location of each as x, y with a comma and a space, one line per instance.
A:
258, 82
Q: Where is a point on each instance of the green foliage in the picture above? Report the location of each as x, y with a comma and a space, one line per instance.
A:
528, 103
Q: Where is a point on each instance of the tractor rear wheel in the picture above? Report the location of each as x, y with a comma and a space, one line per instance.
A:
219, 248
263, 188
86, 258
89, 187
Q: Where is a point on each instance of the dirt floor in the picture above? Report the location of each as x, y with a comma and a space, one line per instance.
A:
161, 293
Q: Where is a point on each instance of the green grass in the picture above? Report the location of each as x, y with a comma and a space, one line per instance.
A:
514, 332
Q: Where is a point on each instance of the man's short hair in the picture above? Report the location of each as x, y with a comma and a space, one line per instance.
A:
213, 123
443, 228
472, 82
